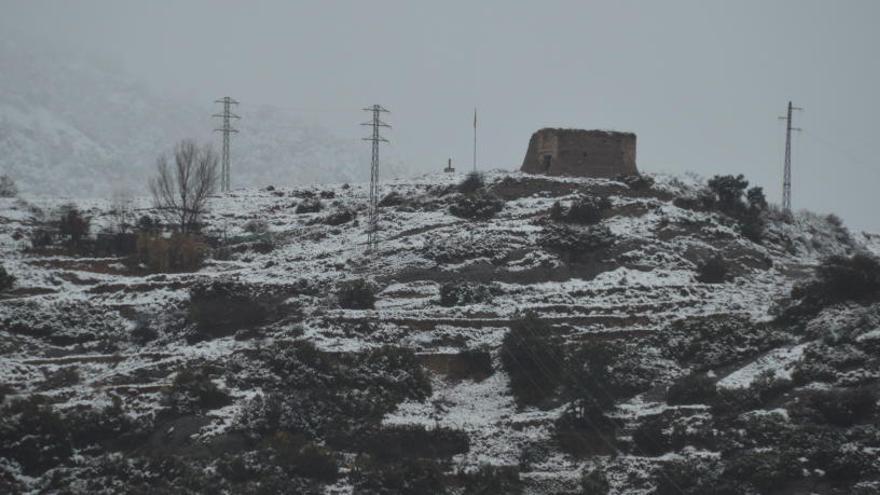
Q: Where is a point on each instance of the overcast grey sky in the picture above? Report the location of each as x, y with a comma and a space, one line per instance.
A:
700, 82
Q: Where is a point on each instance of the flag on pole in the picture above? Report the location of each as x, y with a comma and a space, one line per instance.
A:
475, 139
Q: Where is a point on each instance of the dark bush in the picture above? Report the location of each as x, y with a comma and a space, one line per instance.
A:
316, 463
574, 243
220, 306
704, 201
713, 271
767, 471
301, 458
5, 390
356, 294
407, 477
589, 380
472, 183
767, 386
756, 199
60, 378
460, 293
556, 212
848, 464
729, 191
148, 225
845, 407
109, 427
585, 432
309, 205
475, 364
236, 469
115, 244
34, 435
339, 217
256, 226
491, 480
584, 210
686, 477
707, 342
730, 402
143, 332
637, 182
393, 198
840, 278
651, 437
479, 205
594, 482
333, 397
178, 253
752, 228
193, 391
532, 359
696, 388
7, 280
41, 238
72, 224
393, 443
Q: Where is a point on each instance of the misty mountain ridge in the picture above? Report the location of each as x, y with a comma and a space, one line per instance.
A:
79, 127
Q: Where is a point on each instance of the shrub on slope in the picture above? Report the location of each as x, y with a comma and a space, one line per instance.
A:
837, 279
480, 205
532, 359
584, 210
356, 294
7, 280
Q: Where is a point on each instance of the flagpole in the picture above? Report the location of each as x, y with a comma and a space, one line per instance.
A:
475, 139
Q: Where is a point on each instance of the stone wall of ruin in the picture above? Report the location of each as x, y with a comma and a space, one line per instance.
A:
580, 153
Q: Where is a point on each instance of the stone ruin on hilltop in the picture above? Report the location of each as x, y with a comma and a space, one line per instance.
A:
581, 153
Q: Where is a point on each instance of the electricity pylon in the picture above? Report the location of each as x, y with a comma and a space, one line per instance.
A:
227, 129
375, 138
786, 175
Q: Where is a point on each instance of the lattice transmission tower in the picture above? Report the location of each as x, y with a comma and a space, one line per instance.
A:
227, 130
375, 138
786, 175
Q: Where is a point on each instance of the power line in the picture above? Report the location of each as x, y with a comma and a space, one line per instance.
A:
227, 129
375, 138
786, 175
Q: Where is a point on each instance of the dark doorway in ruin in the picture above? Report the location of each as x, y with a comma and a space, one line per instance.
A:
546, 163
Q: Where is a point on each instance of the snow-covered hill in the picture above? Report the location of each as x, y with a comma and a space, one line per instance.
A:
250, 373
72, 126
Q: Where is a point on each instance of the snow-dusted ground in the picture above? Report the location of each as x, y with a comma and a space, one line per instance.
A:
660, 243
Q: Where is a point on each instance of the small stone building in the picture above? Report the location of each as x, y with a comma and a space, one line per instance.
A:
581, 153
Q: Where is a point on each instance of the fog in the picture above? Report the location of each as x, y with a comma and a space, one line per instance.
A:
700, 82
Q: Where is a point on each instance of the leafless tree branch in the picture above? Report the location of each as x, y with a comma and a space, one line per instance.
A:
180, 191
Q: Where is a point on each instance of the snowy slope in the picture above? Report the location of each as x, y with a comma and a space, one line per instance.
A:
640, 287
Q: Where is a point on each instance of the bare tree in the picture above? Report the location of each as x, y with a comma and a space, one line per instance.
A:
122, 212
8, 189
180, 191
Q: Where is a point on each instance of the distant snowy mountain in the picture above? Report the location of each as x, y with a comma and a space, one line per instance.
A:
76, 127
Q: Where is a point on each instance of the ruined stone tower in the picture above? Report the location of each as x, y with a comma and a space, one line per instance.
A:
581, 153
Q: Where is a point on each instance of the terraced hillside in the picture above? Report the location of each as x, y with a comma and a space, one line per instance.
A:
292, 361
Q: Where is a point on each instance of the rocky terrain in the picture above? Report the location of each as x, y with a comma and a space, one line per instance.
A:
521, 334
